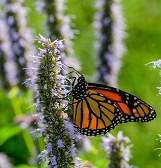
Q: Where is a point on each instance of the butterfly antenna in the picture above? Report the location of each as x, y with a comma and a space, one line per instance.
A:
73, 70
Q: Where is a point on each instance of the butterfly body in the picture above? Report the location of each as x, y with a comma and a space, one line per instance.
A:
98, 108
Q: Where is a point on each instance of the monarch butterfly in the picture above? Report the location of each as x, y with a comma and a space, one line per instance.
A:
98, 108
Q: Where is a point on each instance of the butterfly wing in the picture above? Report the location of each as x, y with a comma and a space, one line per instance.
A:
133, 109
95, 114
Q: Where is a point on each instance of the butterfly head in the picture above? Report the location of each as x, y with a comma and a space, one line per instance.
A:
79, 90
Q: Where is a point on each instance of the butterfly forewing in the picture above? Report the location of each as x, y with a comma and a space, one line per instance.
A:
133, 109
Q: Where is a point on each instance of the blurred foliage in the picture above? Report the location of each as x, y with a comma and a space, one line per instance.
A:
143, 41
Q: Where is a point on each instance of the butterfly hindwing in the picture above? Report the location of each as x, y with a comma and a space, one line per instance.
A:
95, 114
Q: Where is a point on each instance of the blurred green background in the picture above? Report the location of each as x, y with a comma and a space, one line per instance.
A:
143, 20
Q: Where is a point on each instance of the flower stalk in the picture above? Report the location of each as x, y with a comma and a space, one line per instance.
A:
58, 25
59, 133
110, 26
20, 40
4, 53
117, 154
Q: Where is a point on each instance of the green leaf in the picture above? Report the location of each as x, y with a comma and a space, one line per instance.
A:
13, 92
8, 131
25, 166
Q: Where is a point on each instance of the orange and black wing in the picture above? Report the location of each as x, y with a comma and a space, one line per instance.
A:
133, 109
95, 114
